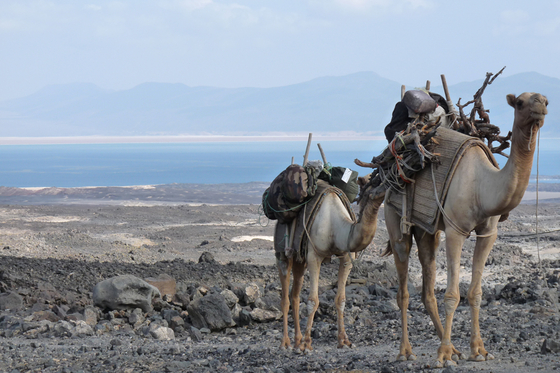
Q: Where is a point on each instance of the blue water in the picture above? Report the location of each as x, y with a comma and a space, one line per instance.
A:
204, 163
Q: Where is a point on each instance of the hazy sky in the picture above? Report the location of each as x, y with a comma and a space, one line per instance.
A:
234, 43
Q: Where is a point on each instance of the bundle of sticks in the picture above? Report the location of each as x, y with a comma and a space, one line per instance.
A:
408, 152
412, 149
481, 127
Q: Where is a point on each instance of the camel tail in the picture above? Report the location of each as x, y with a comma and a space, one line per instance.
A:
388, 250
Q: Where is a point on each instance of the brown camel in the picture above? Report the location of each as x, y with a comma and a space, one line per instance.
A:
333, 232
478, 195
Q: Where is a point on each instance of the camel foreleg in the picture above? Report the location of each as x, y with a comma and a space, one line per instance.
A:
481, 251
340, 300
405, 350
454, 245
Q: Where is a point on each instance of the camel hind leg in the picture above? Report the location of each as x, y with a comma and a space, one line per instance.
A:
314, 265
340, 300
427, 251
284, 268
400, 245
298, 271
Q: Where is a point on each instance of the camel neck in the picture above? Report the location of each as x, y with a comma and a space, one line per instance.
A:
363, 231
511, 182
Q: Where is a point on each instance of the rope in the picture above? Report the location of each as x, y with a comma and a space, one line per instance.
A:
311, 241
537, 199
260, 212
537, 208
307, 232
448, 219
531, 234
290, 209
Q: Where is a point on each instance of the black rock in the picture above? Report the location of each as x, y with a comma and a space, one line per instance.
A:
549, 346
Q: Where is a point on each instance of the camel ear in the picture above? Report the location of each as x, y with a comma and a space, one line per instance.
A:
363, 180
511, 99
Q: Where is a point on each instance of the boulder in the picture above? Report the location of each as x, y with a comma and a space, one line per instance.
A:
260, 315
195, 334
549, 346
90, 316
210, 312
269, 302
252, 293
247, 294
206, 257
45, 315
230, 298
81, 328
124, 292
136, 317
11, 301
162, 333
244, 318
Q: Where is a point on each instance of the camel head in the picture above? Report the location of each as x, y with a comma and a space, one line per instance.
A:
368, 193
530, 109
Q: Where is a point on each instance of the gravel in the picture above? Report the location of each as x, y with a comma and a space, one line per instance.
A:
51, 257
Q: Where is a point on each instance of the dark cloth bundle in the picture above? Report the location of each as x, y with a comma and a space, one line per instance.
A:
400, 119
286, 195
344, 179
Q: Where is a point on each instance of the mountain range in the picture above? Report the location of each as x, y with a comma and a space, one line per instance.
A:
360, 103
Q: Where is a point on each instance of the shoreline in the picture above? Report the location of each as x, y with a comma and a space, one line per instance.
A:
175, 194
73, 140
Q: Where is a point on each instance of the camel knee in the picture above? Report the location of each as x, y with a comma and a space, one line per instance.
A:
402, 298
428, 300
475, 297
451, 301
312, 305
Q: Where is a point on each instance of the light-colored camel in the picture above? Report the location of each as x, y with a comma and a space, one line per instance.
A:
478, 195
333, 233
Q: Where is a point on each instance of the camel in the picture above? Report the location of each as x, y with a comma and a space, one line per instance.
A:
479, 194
333, 232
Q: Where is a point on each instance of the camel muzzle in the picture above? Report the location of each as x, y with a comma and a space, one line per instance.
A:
539, 109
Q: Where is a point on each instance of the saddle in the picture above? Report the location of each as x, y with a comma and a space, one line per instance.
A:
419, 206
305, 220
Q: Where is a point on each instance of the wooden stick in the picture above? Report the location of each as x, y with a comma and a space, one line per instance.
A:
445, 89
292, 160
322, 154
428, 85
454, 123
307, 149
403, 90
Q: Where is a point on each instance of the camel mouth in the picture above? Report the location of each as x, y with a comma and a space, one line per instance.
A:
538, 116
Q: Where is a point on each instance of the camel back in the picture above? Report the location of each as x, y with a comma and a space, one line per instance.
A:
420, 205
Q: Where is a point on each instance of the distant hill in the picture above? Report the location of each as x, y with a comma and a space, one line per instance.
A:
360, 102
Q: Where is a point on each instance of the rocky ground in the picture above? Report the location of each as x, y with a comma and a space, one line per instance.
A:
56, 245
